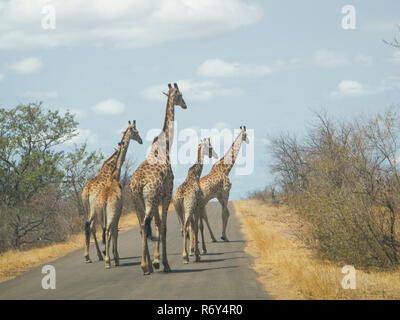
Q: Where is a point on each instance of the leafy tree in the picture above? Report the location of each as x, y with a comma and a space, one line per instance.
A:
29, 160
40, 183
79, 166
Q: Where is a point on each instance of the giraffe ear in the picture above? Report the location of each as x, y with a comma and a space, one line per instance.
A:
169, 85
129, 121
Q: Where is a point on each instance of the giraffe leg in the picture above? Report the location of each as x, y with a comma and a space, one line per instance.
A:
195, 222
156, 261
165, 206
203, 243
146, 260
225, 215
191, 236
185, 254
205, 218
115, 247
108, 240
99, 254
87, 242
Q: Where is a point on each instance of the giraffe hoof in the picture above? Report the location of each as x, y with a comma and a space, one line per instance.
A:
156, 265
108, 266
214, 240
197, 258
88, 261
116, 263
224, 239
146, 272
204, 251
167, 268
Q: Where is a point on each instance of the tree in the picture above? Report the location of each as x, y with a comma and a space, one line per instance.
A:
29, 160
79, 167
40, 183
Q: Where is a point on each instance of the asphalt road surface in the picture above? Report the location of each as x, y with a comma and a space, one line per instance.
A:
223, 273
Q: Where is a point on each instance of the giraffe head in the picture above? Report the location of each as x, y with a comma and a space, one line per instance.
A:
244, 134
133, 133
207, 149
176, 96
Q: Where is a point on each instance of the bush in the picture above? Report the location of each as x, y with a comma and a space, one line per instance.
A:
343, 178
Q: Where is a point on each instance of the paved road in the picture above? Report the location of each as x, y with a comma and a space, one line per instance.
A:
223, 273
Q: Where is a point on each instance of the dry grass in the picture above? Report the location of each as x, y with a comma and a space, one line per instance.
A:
14, 262
290, 270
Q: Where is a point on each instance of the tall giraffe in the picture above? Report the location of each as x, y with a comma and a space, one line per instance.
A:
109, 200
216, 183
152, 185
188, 199
91, 192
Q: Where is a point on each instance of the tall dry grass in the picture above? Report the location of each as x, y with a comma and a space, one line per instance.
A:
289, 269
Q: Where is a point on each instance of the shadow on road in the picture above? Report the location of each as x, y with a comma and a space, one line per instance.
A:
200, 270
129, 264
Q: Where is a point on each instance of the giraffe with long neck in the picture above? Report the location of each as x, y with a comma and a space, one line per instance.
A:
152, 185
216, 183
188, 199
94, 195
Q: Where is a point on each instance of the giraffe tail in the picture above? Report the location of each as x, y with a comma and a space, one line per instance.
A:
103, 239
147, 226
87, 230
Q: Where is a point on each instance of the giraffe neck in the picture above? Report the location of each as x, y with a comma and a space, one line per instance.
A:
196, 170
109, 165
228, 160
162, 144
121, 158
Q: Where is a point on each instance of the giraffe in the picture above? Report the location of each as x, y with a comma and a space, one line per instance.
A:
216, 183
188, 199
100, 185
110, 199
152, 185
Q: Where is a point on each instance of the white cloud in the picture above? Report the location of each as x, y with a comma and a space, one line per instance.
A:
121, 23
191, 90
329, 59
26, 65
40, 95
348, 88
109, 106
355, 88
84, 135
220, 68
396, 57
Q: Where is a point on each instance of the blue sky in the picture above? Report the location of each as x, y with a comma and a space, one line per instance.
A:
265, 64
